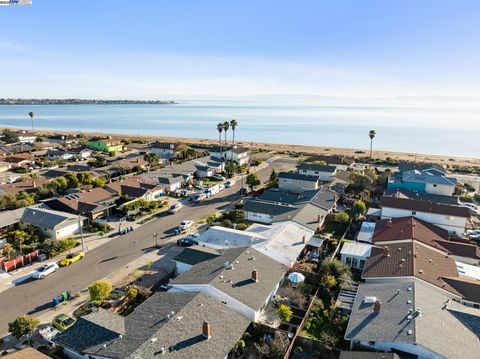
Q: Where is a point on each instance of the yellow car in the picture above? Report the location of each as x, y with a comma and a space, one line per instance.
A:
71, 258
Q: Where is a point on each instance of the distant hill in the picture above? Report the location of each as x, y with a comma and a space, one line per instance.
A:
76, 101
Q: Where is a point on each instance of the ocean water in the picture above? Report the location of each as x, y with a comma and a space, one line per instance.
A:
409, 126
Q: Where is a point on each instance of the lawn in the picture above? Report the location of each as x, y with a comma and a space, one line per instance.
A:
337, 229
210, 181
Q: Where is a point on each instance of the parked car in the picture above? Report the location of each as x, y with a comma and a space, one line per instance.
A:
212, 190
63, 322
229, 183
218, 177
221, 187
175, 208
199, 197
71, 258
194, 235
186, 242
46, 269
41, 257
185, 225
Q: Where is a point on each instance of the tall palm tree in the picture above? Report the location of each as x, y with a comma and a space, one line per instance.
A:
371, 134
31, 114
233, 126
220, 130
226, 126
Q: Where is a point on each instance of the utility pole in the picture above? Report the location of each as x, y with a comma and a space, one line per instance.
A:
155, 235
80, 224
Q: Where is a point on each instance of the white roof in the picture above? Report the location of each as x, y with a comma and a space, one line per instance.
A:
284, 240
374, 212
468, 270
8, 218
356, 249
366, 232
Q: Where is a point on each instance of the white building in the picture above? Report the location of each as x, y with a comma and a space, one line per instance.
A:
354, 254
323, 172
449, 217
53, 224
235, 154
366, 232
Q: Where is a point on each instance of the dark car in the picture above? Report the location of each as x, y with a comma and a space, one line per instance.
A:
187, 242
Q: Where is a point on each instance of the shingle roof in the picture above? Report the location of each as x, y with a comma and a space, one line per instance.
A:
411, 259
47, 218
196, 254
8, 218
26, 353
424, 206
317, 167
428, 177
468, 287
237, 282
404, 166
406, 193
172, 321
298, 176
407, 228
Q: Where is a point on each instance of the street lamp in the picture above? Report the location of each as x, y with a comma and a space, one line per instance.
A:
155, 235
80, 225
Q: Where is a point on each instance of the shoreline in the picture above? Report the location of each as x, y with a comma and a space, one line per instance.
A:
280, 147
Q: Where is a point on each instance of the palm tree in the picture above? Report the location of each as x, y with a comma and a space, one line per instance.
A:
31, 114
220, 130
371, 134
226, 126
233, 126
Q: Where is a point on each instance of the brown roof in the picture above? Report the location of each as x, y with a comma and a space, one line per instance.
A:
411, 259
27, 186
19, 157
27, 353
138, 182
469, 288
131, 162
407, 228
424, 206
459, 249
87, 200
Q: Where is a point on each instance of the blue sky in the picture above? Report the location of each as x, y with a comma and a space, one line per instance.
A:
193, 49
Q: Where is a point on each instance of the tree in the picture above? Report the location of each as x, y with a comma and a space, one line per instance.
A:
233, 126
252, 181
371, 134
9, 136
342, 217
98, 182
23, 325
363, 180
31, 114
17, 237
99, 291
230, 168
85, 178
226, 126
153, 159
220, 130
329, 281
359, 208
8, 251
273, 180
72, 180
285, 313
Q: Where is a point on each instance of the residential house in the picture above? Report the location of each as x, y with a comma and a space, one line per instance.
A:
405, 229
297, 182
20, 160
340, 162
207, 167
105, 145
283, 241
414, 320
323, 172
408, 260
243, 279
4, 166
63, 139
137, 187
191, 256
170, 325
26, 137
53, 224
422, 196
28, 186
366, 232
405, 166
426, 181
59, 154
166, 150
355, 254
308, 209
449, 217
81, 153
236, 154
172, 182
26, 353
95, 203
10, 219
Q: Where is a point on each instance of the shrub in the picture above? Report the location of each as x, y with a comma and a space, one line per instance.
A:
285, 313
359, 208
466, 198
99, 291
241, 226
342, 217
22, 326
132, 292
227, 223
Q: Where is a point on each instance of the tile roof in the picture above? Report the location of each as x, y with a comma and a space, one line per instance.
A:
237, 282
411, 259
424, 206
172, 321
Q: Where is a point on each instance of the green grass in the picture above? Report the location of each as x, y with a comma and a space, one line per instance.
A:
337, 229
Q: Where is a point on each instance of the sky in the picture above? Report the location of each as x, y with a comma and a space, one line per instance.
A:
213, 49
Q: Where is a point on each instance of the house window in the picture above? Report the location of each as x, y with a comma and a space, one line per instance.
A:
434, 185
448, 218
348, 261
414, 213
362, 264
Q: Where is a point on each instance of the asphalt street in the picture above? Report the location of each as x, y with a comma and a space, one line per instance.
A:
35, 297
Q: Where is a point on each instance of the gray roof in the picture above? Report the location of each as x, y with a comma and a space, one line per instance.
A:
406, 193
404, 166
196, 254
273, 209
298, 176
317, 167
172, 321
428, 177
47, 218
434, 328
9, 218
237, 282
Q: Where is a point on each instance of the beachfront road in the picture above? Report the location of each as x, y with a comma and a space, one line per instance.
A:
35, 297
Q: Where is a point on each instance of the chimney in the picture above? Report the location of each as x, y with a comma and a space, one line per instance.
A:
389, 223
206, 330
377, 306
255, 276
304, 239
386, 252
